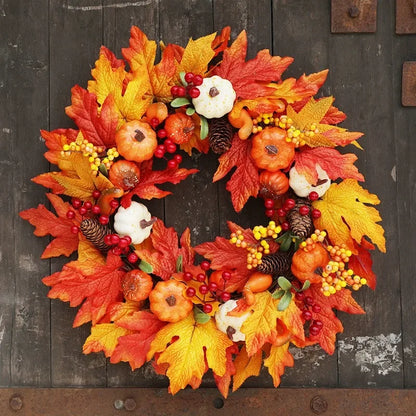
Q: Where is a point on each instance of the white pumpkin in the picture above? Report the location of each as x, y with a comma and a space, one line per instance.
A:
303, 188
230, 325
216, 97
134, 221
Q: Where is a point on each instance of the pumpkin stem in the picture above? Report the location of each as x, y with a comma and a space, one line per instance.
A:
213, 92
230, 332
321, 182
171, 300
187, 130
144, 224
139, 136
271, 149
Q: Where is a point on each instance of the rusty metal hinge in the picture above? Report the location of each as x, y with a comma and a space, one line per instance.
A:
405, 17
409, 84
357, 16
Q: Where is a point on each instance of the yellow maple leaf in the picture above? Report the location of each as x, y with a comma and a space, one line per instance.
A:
89, 256
345, 216
104, 337
246, 366
260, 326
84, 181
278, 359
186, 355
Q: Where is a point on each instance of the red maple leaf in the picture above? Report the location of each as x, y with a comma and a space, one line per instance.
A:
249, 78
166, 251
335, 164
98, 125
59, 227
223, 382
146, 188
362, 263
244, 181
97, 290
133, 348
220, 43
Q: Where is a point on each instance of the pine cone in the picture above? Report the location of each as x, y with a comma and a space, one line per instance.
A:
220, 135
300, 225
276, 264
95, 233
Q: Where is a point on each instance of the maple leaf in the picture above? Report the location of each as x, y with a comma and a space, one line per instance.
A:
220, 43
346, 218
146, 188
223, 382
244, 181
133, 348
96, 290
362, 264
246, 366
279, 358
59, 227
249, 78
131, 96
104, 337
119, 310
195, 347
98, 125
195, 141
164, 256
335, 164
55, 140
292, 319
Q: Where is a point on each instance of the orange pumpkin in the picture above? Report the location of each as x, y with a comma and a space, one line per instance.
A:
305, 263
136, 141
168, 303
243, 122
136, 285
274, 183
271, 151
179, 127
157, 110
257, 282
124, 174
108, 195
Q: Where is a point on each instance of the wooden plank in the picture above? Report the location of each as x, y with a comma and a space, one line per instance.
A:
24, 315
370, 349
75, 39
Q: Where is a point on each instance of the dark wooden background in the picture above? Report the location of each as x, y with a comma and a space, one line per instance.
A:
48, 46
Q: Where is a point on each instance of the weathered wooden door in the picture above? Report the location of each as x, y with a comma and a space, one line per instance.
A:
49, 46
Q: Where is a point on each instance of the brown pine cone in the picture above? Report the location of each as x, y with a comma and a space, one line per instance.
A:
95, 233
276, 264
300, 225
220, 134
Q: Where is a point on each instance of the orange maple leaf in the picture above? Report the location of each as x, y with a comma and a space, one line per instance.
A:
59, 227
244, 181
97, 124
166, 251
55, 140
279, 358
220, 43
335, 164
362, 264
246, 366
223, 382
250, 78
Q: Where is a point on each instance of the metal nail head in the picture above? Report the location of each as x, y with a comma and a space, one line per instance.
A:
318, 405
354, 12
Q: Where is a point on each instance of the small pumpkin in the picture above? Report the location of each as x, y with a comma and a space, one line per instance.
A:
134, 221
124, 174
136, 141
257, 282
168, 303
231, 325
273, 183
271, 151
302, 187
306, 261
108, 195
243, 122
157, 110
216, 97
136, 285
179, 127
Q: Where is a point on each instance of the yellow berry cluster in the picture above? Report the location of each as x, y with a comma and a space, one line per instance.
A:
295, 135
309, 243
95, 154
336, 275
266, 119
237, 238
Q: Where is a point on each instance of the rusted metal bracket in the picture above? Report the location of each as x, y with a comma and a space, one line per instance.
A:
409, 84
205, 402
357, 16
405, 17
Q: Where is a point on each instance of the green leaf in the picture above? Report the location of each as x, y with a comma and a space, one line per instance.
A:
182, 76
286, 243
306, 285
189, 111
278, 294
179, 102
204, 127
103, 170
284, 283
201, 317
179, 266
285, 301
146, 267
282, 237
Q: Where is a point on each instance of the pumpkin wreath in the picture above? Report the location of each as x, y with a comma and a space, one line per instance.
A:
258, 290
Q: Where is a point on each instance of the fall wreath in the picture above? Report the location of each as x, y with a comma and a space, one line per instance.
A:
258, 290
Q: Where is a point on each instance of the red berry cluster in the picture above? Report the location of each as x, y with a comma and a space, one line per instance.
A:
193, 81
121, 245
309, 308
207, 287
